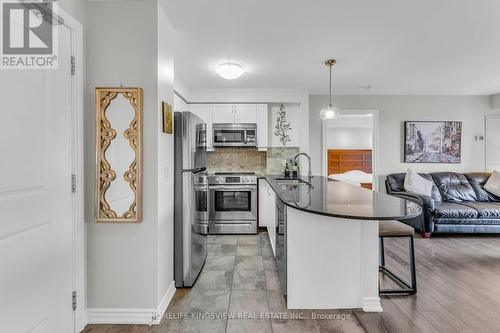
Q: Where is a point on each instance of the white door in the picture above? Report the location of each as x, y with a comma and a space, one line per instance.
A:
36, 213
223, 113
245, 113
492, 143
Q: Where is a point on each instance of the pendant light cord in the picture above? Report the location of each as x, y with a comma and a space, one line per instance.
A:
330, 100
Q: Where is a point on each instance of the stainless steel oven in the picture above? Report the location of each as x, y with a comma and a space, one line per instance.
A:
233, 204
234, 135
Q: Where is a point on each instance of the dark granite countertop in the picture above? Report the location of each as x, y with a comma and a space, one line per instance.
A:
339, 199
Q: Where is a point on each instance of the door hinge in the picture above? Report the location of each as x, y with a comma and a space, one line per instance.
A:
73, 65
73, 300
73, 183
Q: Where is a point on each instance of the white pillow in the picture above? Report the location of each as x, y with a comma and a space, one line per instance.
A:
493, 183
417, 184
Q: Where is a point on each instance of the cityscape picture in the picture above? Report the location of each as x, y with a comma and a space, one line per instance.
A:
433, 142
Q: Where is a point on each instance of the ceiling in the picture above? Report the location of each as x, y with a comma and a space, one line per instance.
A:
395, 46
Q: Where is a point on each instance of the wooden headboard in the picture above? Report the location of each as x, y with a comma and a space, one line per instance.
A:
343, 160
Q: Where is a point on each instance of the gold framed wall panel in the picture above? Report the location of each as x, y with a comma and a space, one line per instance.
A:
105, 175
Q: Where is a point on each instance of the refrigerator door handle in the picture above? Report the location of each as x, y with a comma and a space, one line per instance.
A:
195, 170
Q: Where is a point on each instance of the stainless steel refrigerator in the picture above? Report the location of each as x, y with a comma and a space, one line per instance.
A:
190, 198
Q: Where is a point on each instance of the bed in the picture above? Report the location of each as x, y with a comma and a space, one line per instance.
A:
353, 166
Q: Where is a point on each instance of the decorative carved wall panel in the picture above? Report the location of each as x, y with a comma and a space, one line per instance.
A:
118, 155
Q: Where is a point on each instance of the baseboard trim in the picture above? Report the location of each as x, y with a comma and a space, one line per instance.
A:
162, 307
372, 304
138, 316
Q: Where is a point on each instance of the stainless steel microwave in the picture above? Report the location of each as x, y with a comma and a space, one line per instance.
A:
234, 135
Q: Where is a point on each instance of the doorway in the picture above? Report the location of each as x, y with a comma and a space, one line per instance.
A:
492, 145
350, 148
41, 206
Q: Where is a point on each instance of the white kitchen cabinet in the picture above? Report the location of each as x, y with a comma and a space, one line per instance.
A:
271, 228
223, 113
234, 113
245, 113
263, 203
267, 210
262, 126
204, 111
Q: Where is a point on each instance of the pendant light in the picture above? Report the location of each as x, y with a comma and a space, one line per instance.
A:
329, 112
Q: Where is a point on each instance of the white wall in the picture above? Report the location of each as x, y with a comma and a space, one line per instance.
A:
181, 87
349, 138
495, 101
298, 97
76, 8
129, 266
165, 249
293, 117
394, 110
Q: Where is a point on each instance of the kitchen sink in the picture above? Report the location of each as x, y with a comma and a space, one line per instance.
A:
290, 182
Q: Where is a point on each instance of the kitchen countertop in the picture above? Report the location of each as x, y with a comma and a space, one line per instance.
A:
342, 200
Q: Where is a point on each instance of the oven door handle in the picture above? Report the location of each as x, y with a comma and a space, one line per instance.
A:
232, 188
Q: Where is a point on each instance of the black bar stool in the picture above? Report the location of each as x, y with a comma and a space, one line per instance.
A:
394, 228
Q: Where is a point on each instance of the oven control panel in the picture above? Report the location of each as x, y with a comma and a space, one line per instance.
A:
229, 180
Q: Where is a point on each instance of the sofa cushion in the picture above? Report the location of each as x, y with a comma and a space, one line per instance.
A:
449, 210
485, 209
454, 186
417, 184
477, 180
396, 183
493, 183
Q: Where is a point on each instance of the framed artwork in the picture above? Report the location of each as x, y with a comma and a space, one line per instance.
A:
433, 142
167, 117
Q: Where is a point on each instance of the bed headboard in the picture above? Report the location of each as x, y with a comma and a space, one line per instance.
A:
343, 160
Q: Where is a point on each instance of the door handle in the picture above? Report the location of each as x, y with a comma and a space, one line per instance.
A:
195, 170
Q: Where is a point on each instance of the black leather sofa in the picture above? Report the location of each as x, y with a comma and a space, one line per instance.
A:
458, 203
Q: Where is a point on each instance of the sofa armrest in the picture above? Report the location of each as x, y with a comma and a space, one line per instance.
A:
423, 200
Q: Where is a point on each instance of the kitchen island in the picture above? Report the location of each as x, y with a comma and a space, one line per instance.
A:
325, 240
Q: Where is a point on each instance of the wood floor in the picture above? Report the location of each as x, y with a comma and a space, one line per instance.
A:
458, 287
458, 291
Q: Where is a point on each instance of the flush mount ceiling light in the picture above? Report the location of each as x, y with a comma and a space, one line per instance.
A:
229, 70
329, 112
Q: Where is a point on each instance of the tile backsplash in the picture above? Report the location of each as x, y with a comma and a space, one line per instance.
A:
236, 160
277, 154
249, 160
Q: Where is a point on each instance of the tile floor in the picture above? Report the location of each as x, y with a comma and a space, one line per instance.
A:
239, 278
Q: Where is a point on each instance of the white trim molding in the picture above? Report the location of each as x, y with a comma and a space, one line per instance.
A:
138, 316
167, 298
372, 304
375, 144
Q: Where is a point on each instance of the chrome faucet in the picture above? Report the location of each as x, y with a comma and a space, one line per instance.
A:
309, 175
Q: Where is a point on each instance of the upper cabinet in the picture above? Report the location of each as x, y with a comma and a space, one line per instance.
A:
235, 113
262, 126
223, 113
245, 113
204, 111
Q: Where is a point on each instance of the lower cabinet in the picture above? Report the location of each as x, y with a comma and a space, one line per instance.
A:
271, 228
263, 197
267, 211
